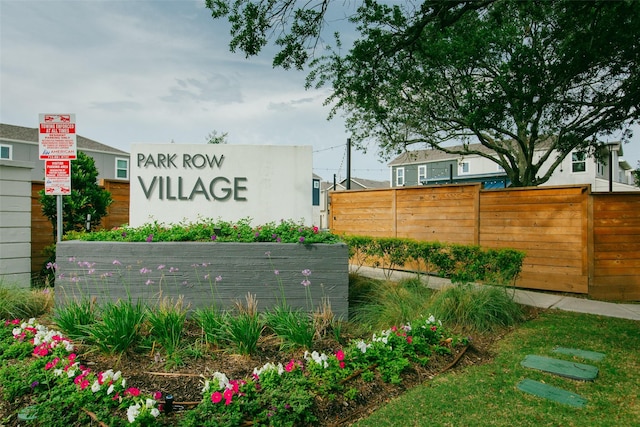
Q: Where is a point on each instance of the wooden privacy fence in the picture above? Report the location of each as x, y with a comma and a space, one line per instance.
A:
42, 230
576, 241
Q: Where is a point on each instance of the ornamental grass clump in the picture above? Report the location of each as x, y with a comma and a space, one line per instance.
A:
75, 317
477, 308
244, 328
119, 328
166, 321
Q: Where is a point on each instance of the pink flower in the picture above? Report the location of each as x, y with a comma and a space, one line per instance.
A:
228, 395
132, 391
84, 384
340, 355
41, 350
51, 364
290, 366
216, 397
157, 395
341, 365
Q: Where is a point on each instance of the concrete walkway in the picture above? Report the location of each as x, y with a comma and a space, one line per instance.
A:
531, 298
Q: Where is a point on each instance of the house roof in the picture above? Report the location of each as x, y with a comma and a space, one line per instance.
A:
432, 155
25, 134
362, 182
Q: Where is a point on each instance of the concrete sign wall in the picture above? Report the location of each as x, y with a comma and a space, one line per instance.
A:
172, 183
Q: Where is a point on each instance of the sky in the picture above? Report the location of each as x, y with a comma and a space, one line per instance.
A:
156, 71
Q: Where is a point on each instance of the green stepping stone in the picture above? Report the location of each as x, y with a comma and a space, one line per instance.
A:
585, 354
563, 368
552, 393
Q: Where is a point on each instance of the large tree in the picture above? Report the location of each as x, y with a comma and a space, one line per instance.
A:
530, 80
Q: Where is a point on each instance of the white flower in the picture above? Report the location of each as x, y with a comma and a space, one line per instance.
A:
362, 346
117, 376
223, 381
205, 389
150, 403
133, 412
155, 412
110, 389
58, 372
124, 381
431, 319
95, 386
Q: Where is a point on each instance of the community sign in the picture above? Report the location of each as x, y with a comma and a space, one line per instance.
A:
173, 183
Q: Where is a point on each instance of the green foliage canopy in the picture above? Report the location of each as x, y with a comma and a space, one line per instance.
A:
529, 81
86, 198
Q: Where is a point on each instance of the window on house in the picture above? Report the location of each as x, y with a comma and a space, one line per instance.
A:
5, 152
399, 177
122, 168
464, 167
578, 162
422, 173
600, 169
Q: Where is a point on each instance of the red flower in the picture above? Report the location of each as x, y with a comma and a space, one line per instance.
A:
340, 355
409, 339
216, 397
132, 391
228, 395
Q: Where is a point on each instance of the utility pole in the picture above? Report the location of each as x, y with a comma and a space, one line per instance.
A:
348, 163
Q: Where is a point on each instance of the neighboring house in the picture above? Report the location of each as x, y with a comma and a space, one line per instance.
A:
356, 184
20, 166
20, 143
433, 167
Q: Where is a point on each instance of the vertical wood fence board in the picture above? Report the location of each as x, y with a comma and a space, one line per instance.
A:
41, 229
616, 241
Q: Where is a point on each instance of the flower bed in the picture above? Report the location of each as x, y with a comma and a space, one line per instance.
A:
50, 374
205, 273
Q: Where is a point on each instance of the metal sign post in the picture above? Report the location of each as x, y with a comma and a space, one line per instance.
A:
59, 218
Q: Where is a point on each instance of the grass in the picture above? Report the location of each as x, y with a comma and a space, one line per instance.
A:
19, 302
487, 395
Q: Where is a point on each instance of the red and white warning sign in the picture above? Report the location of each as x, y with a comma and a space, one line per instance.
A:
57, 177
57, 136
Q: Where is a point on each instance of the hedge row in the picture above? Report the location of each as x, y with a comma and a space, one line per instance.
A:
459, 263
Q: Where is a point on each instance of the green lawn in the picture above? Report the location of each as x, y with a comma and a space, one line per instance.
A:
487, 395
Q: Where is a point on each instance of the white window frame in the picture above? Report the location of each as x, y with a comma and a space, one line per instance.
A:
400, 177
461, 168
126, 160
422, 173
10, 147
575, 160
